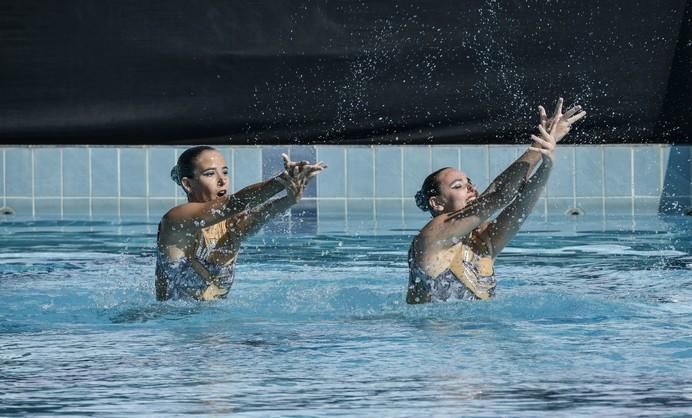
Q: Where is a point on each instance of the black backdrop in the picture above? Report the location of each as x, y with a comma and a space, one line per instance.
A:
340, 72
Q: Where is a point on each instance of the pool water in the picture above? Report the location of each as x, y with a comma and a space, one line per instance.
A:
592, 317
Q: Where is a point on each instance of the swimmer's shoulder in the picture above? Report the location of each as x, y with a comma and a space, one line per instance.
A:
431, 259
175, 230
175, 215
435, 237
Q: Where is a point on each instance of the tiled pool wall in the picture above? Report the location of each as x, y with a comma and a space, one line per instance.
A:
362, 182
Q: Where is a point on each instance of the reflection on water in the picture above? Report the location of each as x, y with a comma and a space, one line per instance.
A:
587, 321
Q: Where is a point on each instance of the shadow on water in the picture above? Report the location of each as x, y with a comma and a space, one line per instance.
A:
563, 396
154, 312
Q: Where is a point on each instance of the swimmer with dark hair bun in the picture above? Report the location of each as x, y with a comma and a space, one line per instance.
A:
198, 241
452, 256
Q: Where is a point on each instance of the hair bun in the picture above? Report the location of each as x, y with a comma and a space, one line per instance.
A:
422, 202
175, 175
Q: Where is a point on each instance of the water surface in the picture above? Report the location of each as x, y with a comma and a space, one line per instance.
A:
591, 318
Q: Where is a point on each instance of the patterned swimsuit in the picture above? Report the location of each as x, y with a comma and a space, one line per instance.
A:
469, 277
187, 278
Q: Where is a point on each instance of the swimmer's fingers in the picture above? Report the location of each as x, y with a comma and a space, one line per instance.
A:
304, 182
319, 166
545, 135
561, 124
557, 114
543, 116
291, 167
312, 170
558, 107
296, 186
547, 142
571, 111
316, 166
542, 150
288, 164
540, 141
292, 186
302, 174
576, 117
287, 161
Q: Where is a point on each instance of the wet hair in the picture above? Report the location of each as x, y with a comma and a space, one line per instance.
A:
430, 187
186, 163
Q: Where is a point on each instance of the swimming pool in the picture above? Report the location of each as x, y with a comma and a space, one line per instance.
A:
592, 317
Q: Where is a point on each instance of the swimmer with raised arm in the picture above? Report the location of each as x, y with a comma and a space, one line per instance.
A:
198, 242
452, 256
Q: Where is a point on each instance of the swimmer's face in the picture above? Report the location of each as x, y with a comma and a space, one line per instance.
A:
210, 180
456, 191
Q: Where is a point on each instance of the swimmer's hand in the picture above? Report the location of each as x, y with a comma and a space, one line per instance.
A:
295, 187
213, 292
545, 144
296, 176
304, 168
559, 124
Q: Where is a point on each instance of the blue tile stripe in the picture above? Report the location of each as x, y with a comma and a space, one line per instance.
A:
126, 181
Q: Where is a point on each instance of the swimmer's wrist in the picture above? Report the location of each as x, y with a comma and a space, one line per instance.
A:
532, 150
285, 202
283, 179
548, 161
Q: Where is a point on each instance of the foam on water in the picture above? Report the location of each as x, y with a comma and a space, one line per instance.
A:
598, 249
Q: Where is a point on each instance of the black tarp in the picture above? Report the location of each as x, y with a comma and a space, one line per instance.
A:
340, 72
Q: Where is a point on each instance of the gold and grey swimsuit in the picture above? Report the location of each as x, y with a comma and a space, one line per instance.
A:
207, 273
468, 277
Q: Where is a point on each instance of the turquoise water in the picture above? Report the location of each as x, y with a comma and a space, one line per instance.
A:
592, 317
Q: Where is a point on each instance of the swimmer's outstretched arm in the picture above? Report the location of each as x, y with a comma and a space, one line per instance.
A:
501, 230
252, 220
509, 181
445, 230
193, 216
258, 193
508, 222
